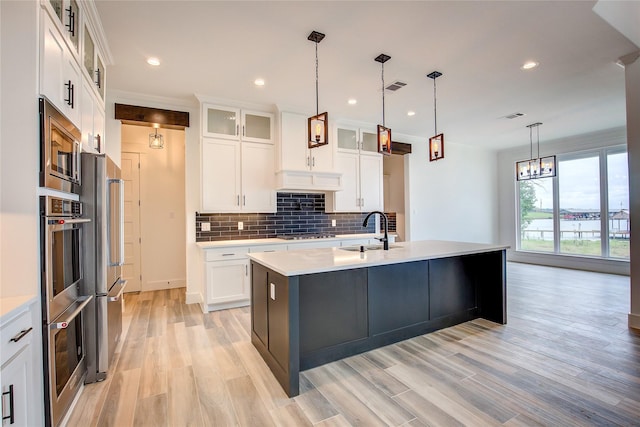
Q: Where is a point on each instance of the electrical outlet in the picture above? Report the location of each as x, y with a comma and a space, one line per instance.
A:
240, 225
333, 222
205, 226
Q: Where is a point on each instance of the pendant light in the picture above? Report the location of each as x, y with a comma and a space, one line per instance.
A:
384, 133
436, 142
318, 125
156, 140
544, 167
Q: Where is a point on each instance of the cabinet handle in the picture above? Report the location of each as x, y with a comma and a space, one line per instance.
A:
70, 93
227, 254
71, 26
313, 161
237, 129
11, 416
98, 138
98, 80
244, 200
246, 270
307, 160
20, 335
238, 199
242, 130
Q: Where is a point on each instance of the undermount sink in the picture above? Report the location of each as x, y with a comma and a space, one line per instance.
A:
366, 248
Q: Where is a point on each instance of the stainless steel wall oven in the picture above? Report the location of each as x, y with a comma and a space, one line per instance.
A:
62, 309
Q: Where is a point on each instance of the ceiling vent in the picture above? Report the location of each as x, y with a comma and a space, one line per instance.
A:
395, 86
514, 115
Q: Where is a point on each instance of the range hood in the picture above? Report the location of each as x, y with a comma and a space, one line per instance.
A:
308, 180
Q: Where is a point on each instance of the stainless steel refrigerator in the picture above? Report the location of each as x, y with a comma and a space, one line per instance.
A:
102, 194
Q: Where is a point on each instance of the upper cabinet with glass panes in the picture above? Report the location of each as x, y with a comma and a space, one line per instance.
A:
66, 15
356, 139
92, 62
234, 123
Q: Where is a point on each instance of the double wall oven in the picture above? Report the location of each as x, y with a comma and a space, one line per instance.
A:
62, 228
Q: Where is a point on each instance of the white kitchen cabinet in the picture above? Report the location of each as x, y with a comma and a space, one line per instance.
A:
60, 78
16, 372
228, 282
66, 16
237, 177
294, 151
93, 64
234, 123
92, 121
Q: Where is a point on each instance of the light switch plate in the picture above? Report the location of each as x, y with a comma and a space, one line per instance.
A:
205, 226
240, 225
333, 222
272, 291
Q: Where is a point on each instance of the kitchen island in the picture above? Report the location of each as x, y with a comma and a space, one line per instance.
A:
310, 307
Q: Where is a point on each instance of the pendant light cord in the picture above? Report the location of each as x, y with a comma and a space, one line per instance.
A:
383, 95
435, 109
317, 109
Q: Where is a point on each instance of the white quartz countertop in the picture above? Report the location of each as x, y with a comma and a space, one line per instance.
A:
309, 261
273, 241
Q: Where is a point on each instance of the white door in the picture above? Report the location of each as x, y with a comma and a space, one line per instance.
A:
131, 175
258, 177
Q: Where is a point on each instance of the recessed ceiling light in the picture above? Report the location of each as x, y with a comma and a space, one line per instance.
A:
411, 113
153, 61
352, 101
259, 82
529, 65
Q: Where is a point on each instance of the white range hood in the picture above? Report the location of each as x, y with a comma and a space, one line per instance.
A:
308, 180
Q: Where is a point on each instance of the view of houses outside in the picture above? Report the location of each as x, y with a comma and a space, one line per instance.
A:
579, 215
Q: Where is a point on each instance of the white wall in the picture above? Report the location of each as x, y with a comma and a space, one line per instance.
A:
507, 199
192, 169
162, 210
451, 199
19, 150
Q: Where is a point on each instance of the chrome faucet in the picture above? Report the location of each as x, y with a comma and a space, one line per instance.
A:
385, 220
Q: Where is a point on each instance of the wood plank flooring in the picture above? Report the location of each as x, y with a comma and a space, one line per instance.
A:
566, 358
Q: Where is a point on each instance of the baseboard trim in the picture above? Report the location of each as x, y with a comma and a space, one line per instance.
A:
634, 321
193, 298
164, 284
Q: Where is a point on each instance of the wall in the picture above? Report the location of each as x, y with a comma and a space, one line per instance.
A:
507, 199
632, 79
297, 213
162, 210
450, 199
19, 150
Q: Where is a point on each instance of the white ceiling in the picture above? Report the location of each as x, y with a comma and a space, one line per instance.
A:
218, 48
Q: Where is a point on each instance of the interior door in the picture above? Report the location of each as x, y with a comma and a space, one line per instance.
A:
131, 175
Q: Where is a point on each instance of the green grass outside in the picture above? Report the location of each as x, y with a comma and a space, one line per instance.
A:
538, 215
617, 248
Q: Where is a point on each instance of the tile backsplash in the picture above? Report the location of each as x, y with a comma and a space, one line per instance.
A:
297, 213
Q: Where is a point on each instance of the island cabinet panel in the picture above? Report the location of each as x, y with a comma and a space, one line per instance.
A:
492, 286
398, 296
278, 318
259, 295
333, 310
452, 287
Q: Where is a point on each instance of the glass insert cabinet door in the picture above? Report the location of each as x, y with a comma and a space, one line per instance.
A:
234, 123
357, 139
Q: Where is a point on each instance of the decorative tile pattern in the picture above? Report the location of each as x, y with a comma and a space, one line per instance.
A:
297, 213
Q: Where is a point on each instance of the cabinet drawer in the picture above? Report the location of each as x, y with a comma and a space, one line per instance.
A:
268, 248
13, 335
222, 254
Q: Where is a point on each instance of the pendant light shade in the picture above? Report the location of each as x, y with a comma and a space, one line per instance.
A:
436, 142
384, 133
540, 167
156, 140
318, 125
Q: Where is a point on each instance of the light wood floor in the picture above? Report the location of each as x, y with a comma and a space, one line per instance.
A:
565, 358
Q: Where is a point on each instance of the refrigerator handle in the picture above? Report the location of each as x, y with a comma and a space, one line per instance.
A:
121, 220
116, 249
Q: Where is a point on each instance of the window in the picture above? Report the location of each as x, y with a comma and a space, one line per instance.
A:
583, 211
